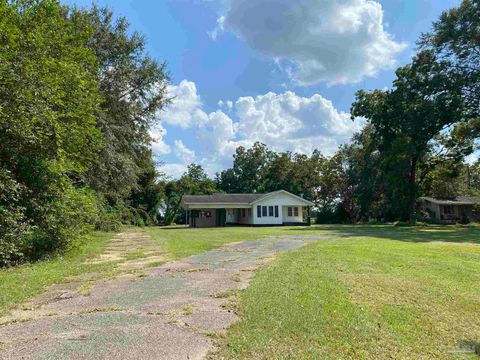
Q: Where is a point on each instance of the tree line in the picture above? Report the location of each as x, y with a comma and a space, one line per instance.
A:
417, 136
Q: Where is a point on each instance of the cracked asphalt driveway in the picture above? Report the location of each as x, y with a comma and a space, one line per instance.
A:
166, 312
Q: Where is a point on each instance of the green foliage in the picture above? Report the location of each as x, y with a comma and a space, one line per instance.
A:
49, 98
248, 166
424, 101
194, 182
133, 88
146, 198
259, 169
78, 96
13, 223
456, 40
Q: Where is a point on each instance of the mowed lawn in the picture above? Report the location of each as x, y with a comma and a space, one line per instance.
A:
383, 293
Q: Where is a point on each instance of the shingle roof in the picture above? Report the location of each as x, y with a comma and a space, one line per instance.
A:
459, 200
221, 198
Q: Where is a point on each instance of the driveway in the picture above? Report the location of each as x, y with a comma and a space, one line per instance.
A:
170, 311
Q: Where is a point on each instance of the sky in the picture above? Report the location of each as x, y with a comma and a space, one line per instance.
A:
283, 72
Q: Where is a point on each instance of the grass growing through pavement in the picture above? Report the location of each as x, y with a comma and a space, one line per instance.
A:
20, 283
181, 241
385, 292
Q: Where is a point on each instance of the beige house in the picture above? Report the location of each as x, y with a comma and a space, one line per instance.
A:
458, 209
275, 208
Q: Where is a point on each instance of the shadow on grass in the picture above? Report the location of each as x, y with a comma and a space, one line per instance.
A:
441, 233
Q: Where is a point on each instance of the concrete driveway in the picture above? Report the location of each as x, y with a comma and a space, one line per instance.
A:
165, 312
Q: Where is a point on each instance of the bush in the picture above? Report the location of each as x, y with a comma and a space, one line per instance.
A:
332, 215
108, 219
71, 213
13, 223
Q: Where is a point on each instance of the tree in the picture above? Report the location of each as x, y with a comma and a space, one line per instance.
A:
193, 182
48, 133
146, 197
424, 101
133, 89
455, 40
248, 167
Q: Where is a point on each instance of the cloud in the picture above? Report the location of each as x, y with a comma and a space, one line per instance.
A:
290, 122
284, 121
337, 41
159, 146
185, 103
183, 153
173, 170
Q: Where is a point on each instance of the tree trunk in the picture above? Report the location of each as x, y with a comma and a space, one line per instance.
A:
413, 190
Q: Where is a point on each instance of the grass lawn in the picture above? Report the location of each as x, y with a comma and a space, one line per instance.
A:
386, 292
20, 283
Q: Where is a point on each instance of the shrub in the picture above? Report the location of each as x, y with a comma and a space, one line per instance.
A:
13, 224
71, 213
108, 219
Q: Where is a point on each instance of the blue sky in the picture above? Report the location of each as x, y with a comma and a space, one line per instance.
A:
283, 72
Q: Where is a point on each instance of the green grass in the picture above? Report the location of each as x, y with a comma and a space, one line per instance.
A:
386, 292
20, 283
181, 241
380, 292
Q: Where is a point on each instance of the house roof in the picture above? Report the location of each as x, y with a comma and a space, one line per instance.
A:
240, 199
459, 200
221, 198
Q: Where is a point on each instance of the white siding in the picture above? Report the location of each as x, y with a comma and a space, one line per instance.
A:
282, 200
293, 218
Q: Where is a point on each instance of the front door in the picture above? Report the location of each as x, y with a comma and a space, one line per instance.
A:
221, 217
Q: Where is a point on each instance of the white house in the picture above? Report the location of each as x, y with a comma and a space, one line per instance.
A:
275, 208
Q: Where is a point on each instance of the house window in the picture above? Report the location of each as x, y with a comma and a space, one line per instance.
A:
249, 212
270, 211
259, 211
295, 211
264, 211
205, 214
290, 211
448, 209
243, 212
276, 210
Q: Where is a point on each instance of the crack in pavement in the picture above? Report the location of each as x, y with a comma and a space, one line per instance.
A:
168, 313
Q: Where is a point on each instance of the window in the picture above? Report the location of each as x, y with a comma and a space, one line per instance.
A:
448, 209
295, 211
270, 211
205, 214
290, 213
276, 210
264, 211
243, 212
249, 212
259, 211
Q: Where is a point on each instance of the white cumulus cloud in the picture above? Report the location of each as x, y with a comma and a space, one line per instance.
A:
159, 146
183, 153
283, 121
337, 41
185, 103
